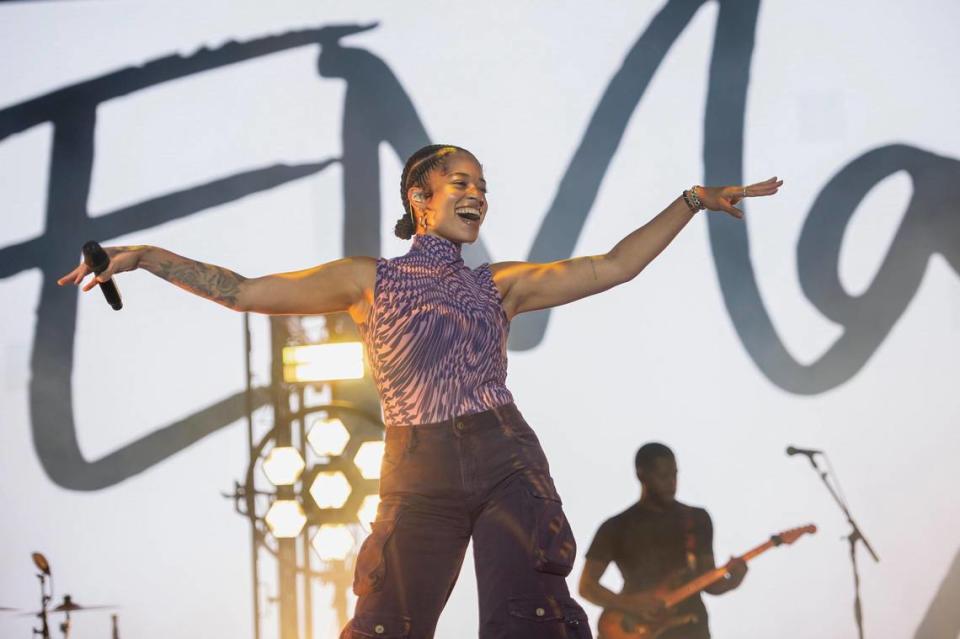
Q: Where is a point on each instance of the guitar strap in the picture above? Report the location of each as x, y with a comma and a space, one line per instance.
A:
690, 540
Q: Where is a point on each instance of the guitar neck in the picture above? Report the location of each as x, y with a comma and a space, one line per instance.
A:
707, 579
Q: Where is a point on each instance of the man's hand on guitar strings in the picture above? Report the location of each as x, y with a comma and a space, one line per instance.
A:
645, 605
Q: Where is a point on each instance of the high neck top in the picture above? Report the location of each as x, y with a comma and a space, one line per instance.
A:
436, 336
436, 250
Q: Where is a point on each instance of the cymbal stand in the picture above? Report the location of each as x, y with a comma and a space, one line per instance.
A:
45, 597
65, 625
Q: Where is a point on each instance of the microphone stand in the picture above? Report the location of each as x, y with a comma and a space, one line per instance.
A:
855, 535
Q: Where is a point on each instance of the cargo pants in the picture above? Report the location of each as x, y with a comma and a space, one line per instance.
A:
482, 476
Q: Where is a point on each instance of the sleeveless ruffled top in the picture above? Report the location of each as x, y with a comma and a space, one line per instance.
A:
436, 336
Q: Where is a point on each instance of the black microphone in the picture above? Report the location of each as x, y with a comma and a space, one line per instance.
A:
809, 452
97, 260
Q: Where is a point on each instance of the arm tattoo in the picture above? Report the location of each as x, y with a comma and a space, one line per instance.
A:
206, 280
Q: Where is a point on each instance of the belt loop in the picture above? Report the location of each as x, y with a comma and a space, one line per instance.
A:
412, 440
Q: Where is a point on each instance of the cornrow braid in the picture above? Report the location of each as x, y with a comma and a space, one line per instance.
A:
416, 172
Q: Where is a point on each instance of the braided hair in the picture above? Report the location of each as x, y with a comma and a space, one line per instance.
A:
416, 172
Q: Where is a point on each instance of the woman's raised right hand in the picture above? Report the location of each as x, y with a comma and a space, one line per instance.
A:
122, 258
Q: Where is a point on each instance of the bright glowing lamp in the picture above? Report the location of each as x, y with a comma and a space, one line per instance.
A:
330, 489
368, 510
332, 542
323, 362
368, 459
283, 465
328, 437
285, 518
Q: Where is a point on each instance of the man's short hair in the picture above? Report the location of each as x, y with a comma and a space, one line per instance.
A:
648, 453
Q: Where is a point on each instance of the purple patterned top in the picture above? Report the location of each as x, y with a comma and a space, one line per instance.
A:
436, 336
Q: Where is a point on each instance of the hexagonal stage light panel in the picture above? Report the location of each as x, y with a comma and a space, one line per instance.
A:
328, 437
368, 459
285, 518
283, 465
332, 542
330, 489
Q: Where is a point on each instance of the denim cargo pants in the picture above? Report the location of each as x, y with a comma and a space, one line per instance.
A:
484, 476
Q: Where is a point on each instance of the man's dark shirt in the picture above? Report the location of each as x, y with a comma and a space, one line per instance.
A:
650, 546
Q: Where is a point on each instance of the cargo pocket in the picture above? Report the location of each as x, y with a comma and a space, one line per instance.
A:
371, 565
376, 625
543, 616
554, 548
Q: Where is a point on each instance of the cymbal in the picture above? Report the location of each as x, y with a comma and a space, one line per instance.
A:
68, 605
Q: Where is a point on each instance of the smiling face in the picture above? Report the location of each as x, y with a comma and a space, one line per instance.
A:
455, 205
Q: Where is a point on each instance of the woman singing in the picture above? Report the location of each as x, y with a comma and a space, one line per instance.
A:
460, 461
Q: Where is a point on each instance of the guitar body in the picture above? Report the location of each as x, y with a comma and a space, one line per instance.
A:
614, 624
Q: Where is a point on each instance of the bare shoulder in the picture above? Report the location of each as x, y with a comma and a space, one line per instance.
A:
505, 272
363, 268
363, 272
498, 267
505, 275
355, 273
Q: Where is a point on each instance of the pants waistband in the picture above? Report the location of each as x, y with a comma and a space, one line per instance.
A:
492, 418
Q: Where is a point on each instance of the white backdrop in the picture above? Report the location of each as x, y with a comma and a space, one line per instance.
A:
657, 359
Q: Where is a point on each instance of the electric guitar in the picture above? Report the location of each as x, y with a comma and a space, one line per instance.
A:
615, 624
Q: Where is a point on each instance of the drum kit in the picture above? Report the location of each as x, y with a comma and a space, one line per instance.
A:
66, 607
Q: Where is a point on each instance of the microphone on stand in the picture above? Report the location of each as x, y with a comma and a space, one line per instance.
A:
97, 260
855, 533
809, 452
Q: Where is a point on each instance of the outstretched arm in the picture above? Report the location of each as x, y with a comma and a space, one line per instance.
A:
525, 286
341, 285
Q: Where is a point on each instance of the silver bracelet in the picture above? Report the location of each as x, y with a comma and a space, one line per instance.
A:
692, 199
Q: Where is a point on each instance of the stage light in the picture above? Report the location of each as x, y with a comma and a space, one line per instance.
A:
368, 459
368, 510
323, 362
285, 518
283, 466
332, 542
328, 437
330, 489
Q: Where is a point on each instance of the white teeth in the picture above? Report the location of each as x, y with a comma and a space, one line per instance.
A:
469, 215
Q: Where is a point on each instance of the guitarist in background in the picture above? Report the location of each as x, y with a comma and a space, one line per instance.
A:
656, 540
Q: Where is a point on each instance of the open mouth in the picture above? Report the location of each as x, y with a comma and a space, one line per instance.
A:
469, 214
